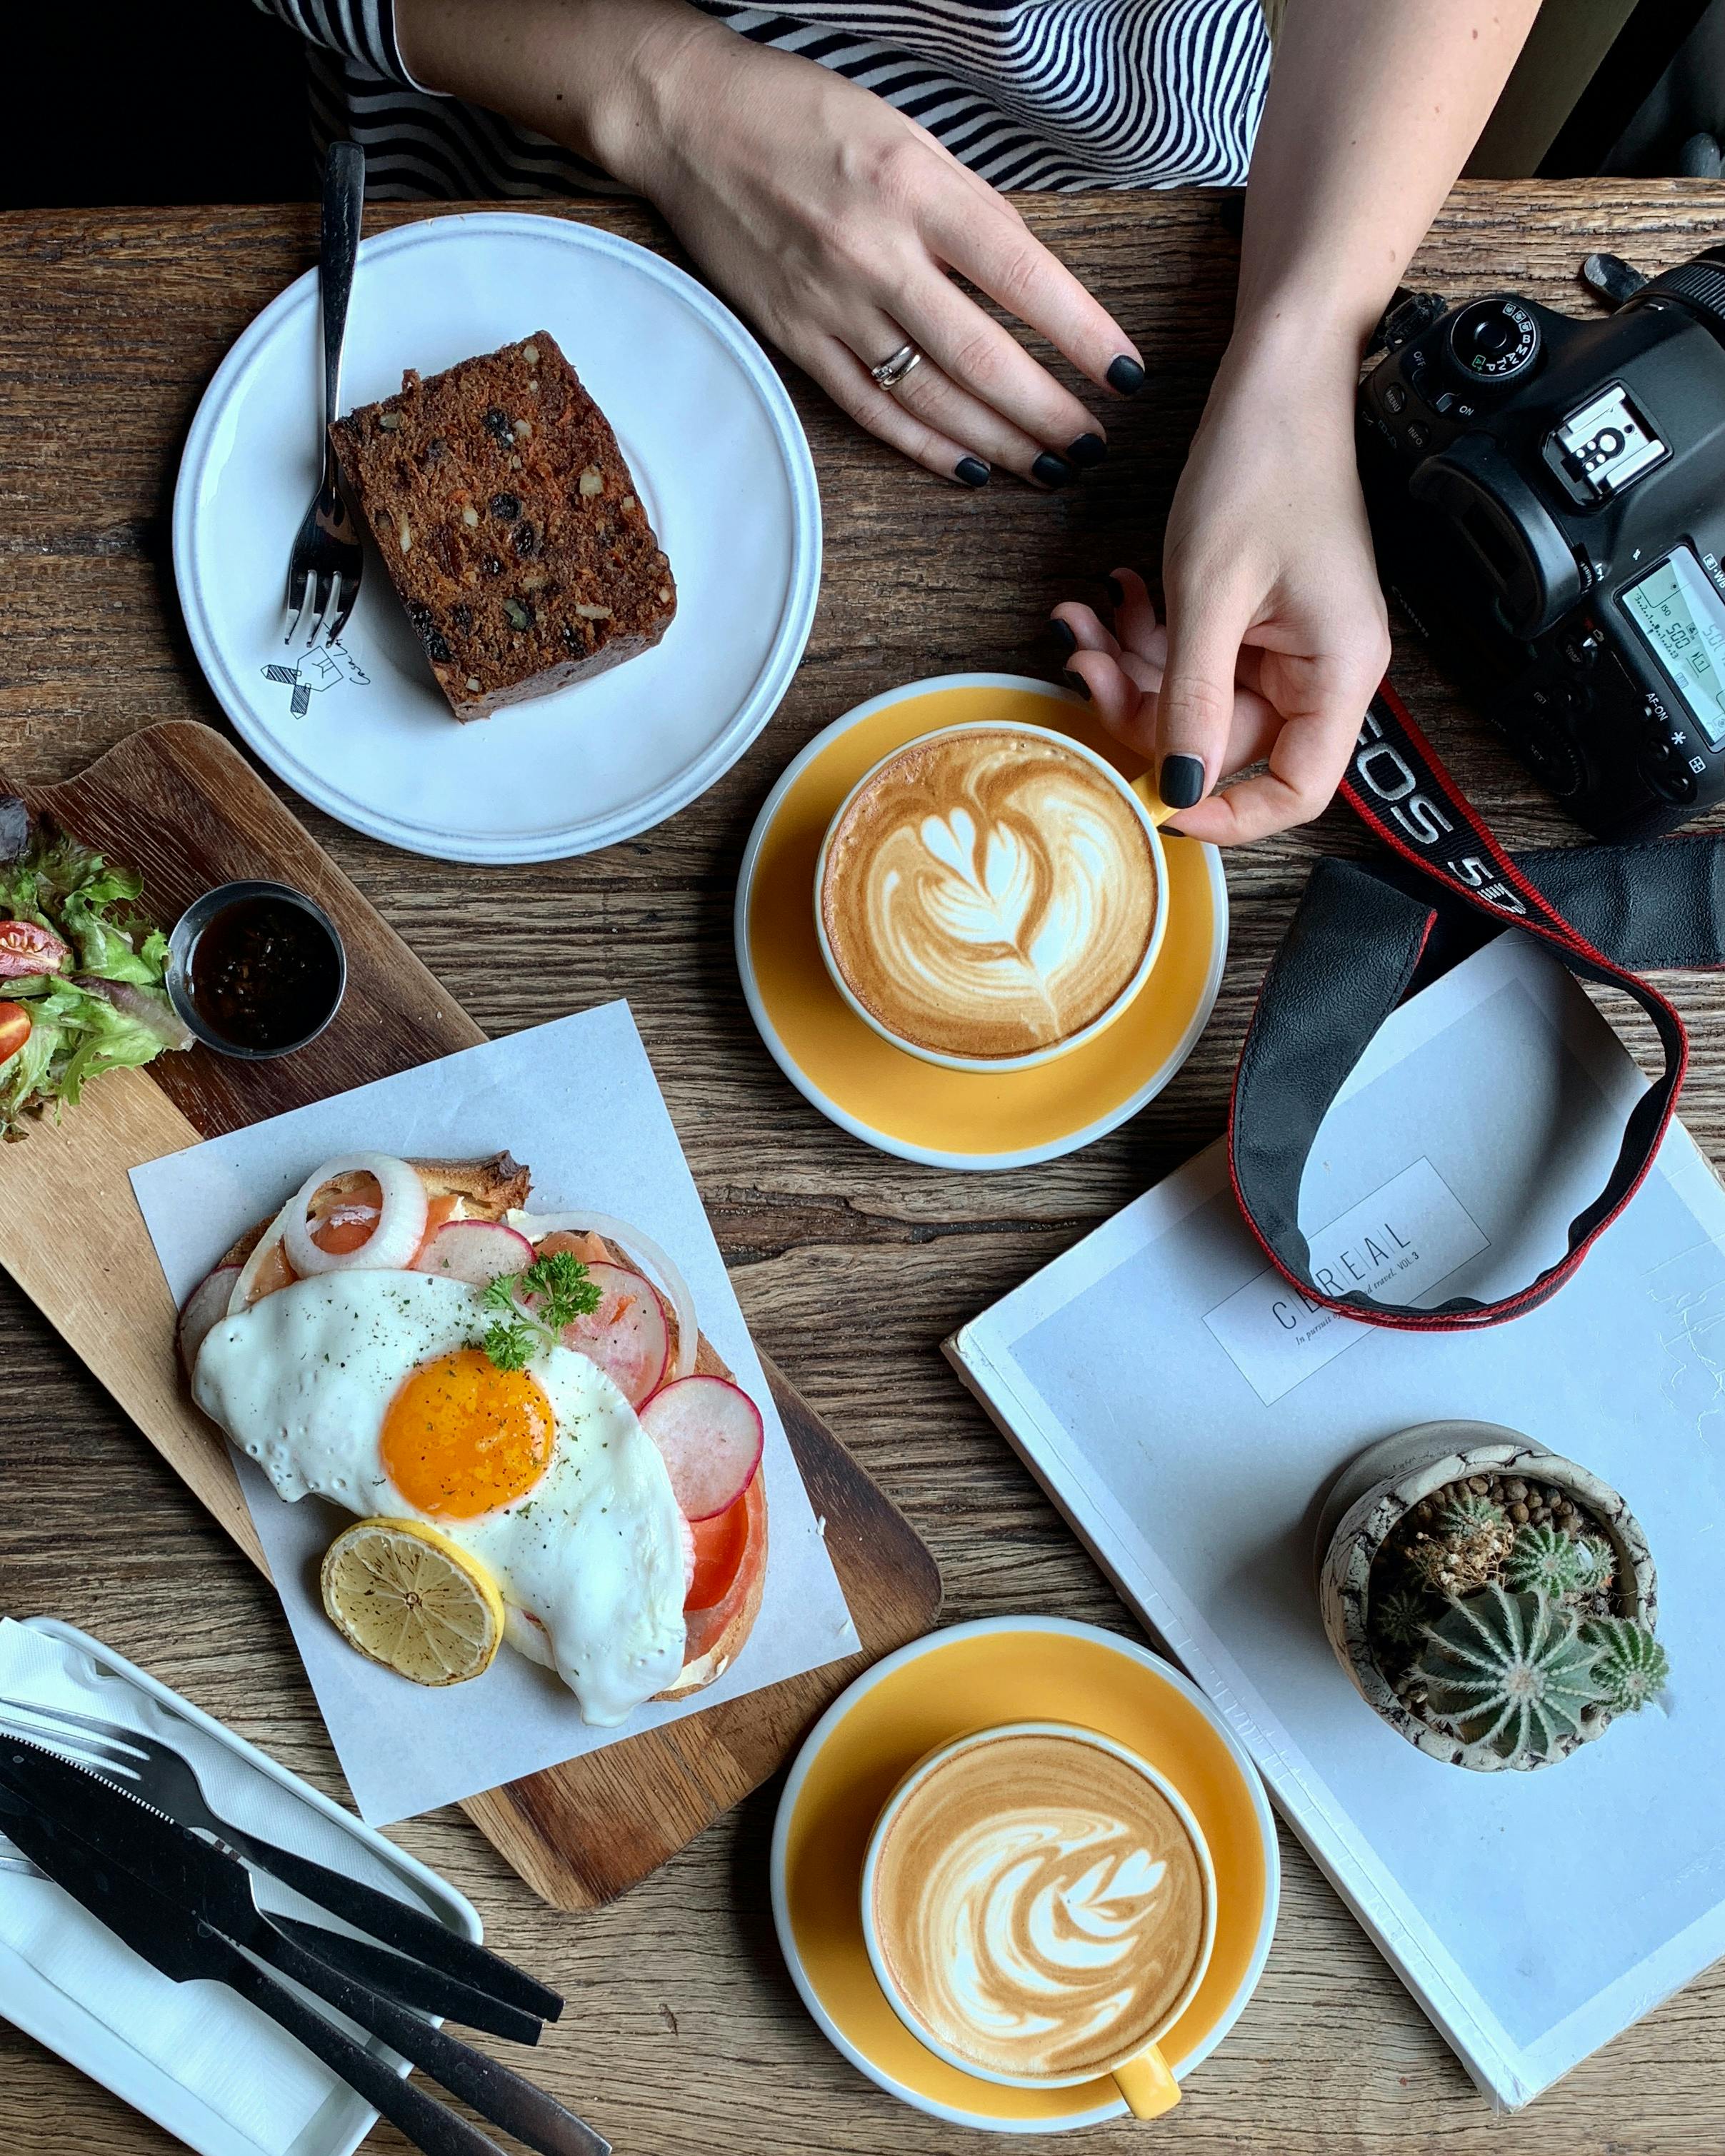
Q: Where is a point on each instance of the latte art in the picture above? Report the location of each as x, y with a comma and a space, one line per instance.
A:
1040, 1907
990, 893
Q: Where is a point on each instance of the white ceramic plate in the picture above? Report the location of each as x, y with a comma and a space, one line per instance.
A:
720, 462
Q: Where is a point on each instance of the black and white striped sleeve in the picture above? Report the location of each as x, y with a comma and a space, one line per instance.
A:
358, 30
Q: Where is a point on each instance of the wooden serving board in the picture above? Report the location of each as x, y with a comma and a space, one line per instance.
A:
178, 802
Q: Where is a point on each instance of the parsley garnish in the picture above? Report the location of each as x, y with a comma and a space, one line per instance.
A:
533, 1307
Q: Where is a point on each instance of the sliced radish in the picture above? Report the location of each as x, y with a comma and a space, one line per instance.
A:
393, 1244
710, 1434
643, 1249
206, 1307
475, 1251
627, 1336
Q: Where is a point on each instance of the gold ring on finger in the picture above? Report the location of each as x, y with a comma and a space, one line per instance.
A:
891, 373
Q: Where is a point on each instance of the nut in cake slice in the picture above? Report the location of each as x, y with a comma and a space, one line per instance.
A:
510, 525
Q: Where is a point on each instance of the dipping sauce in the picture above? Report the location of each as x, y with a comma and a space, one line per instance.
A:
265, 973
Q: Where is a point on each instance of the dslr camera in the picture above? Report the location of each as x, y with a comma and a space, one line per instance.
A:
1548, 499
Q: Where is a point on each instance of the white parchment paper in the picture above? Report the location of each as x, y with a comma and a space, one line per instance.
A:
576, 1101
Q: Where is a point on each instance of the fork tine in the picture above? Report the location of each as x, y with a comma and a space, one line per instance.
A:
297, 607
347, 592
109, 1735
326, 583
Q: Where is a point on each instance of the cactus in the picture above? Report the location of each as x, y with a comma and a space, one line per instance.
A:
1400, 1614
1630, 1666
1509, 1671
1542, 1560
1465, 1514
1469, 1540
1601, 1562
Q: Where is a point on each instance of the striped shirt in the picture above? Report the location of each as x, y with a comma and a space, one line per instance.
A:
1051, 93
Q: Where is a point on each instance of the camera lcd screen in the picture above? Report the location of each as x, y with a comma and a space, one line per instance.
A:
1682, 618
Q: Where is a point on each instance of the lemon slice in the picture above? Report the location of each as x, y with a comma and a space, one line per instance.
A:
408, 1597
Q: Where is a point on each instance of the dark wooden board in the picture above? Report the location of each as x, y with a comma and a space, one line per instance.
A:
182, 805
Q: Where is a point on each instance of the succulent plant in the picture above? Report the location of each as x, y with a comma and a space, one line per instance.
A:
1400, 1613
1542, 1560
1630, 1666
1469, 1539
1601, 1563
1465, 1514
1509, 1671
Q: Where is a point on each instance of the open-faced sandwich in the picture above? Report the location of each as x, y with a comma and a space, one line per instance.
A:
520, 1409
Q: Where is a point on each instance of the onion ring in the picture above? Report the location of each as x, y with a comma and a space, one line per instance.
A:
392, 1245
635, 1246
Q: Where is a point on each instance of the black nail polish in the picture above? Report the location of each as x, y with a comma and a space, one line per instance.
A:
1081, 686
1062, 636
1126, 376
971, 471
1116, 591
1180, 781
1052, 471
1087, 450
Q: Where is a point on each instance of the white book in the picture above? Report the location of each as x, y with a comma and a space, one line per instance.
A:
1187, 1412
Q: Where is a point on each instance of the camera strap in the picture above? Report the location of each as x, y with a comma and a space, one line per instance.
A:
1364, 929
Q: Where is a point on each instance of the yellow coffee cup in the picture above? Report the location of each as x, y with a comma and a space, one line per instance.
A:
1024, 1880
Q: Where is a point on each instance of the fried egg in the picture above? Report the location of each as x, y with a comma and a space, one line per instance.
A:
369, 1389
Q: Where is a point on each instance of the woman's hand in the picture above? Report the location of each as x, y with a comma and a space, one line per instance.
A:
832, 221
1276, 635
835, 222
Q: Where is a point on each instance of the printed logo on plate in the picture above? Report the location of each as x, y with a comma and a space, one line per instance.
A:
326, 667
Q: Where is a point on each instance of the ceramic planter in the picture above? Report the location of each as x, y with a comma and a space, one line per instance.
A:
1369, 1500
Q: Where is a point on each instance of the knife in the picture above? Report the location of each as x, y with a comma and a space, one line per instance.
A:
194, 1907
408, 1983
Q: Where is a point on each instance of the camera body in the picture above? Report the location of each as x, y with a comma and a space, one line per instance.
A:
1548, 499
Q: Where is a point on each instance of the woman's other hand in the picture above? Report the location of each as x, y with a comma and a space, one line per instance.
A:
1276, 636
832, 221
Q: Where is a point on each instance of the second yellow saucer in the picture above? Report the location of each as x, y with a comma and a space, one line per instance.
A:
958, 1118
973, 1676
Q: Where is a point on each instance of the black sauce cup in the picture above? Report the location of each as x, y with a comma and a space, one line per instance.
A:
182, 948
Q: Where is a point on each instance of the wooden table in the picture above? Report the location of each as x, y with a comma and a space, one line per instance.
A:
684, 2035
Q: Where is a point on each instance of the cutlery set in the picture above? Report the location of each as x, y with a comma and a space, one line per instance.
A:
123, 1829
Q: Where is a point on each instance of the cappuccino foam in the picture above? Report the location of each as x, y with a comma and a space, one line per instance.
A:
1040, 1907
988, 894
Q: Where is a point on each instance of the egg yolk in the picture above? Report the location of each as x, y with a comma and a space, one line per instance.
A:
462, 1437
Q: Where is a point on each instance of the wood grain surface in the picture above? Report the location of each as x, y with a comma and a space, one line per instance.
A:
182, 805
685, 2037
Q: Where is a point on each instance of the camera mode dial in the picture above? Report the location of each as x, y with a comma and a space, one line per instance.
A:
1493, 342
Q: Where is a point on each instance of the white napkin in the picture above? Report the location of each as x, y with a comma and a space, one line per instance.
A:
252, 2075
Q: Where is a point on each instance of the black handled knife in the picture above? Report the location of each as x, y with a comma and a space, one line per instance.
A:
195, 1907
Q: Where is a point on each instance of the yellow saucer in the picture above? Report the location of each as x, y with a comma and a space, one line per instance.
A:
967, 1677
893, 1100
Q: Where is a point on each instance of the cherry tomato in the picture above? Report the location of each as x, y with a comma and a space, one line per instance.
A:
14, 1029
26, 947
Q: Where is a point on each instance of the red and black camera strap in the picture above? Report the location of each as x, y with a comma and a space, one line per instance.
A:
1363, 929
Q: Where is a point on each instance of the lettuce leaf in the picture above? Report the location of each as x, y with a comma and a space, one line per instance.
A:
114, 1013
